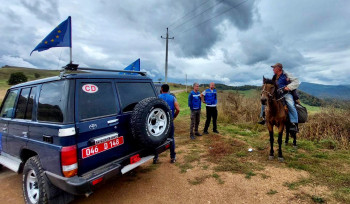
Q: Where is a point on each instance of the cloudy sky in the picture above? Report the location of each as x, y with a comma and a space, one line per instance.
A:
227, 41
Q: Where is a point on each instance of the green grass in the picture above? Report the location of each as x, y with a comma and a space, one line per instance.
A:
198, 180
312, 109
271, 192
218, 178
249, 175
326, 164
252, 93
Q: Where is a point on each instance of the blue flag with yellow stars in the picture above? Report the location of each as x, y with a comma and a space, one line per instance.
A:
61, 36
135, 66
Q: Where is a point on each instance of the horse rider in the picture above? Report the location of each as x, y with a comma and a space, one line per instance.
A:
286, 83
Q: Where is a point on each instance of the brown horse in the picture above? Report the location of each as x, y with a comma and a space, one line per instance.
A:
275, 114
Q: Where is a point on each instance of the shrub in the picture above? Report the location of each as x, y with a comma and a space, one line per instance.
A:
328, 126
16, 78
235, 108
36, 75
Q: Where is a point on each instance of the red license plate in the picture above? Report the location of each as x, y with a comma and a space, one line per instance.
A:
96, 149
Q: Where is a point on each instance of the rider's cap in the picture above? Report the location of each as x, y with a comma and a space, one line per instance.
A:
277, 65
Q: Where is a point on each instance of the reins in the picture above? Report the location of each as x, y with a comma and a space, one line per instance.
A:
272, 95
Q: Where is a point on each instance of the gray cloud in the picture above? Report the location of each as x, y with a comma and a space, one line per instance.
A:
197, 41
44, 10
309, 38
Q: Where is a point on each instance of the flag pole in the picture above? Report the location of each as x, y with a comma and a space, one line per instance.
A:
70, 24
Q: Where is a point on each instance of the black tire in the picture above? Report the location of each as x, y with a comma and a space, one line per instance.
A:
47, 193
142, 117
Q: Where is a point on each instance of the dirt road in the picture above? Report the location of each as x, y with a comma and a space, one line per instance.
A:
164, 183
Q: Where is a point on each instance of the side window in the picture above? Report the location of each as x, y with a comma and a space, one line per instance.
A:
96, 100
52, 102
30, 104
7, 109
22, 103
131, 93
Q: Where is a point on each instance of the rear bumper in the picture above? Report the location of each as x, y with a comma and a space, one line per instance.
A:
83, 185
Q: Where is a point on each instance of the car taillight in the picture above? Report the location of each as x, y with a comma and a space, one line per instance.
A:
69, 161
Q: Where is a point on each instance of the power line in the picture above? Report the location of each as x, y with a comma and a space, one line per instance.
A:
237, 5
198, 14
189, 13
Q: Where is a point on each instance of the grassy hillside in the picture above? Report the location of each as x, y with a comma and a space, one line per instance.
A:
326, 91
5, 73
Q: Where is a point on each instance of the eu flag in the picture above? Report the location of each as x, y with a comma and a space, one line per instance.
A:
135, 66
61, 36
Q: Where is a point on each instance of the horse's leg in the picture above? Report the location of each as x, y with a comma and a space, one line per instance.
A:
280, 134
287, 134
270, 128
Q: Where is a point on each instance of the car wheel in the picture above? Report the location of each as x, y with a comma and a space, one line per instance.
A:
150, 122
37, 188
34, 182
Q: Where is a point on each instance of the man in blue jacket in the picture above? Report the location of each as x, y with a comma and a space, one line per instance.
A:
175, 110
209, 97
195, 104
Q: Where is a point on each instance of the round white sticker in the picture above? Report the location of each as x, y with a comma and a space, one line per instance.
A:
90, 88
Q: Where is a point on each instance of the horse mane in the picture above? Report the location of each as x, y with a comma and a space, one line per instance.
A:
269, 81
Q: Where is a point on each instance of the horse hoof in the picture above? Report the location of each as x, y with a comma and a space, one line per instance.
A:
286, 143
280, 159
295, 146
271, 157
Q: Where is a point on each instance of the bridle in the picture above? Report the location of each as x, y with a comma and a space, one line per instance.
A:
264, 91
271, 95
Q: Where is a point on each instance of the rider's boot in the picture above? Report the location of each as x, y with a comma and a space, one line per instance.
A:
294, 127
262, 122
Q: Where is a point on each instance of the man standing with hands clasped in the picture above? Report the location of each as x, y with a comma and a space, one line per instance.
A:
195, 104
209, 97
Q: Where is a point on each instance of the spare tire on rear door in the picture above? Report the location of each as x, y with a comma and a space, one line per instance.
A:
150, 122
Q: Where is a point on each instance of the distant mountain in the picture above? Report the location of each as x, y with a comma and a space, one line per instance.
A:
326, 91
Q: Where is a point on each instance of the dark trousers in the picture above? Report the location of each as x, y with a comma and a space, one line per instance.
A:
212, 112
195, 119
172, 144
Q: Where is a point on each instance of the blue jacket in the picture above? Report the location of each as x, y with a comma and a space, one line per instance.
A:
282, 81
170, 100
210, 97
194, 100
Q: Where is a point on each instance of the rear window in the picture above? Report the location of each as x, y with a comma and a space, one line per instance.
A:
53, 102
131, 93
9, 104
96, 100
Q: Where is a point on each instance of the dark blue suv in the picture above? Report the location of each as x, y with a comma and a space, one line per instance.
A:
68, 134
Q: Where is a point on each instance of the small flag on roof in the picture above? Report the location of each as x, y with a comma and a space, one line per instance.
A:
61, 36
135, 66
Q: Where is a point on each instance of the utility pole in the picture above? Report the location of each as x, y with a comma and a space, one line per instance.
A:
166, 54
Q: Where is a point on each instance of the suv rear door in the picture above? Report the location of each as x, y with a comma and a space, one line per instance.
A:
97, 118
18, 127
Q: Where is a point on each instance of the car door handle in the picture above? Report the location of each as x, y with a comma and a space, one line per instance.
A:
25, 134
113, 121
4, 129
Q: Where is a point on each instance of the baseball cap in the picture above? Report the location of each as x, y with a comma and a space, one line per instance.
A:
277, 65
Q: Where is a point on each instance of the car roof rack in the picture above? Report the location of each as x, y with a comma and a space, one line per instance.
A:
75, 67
